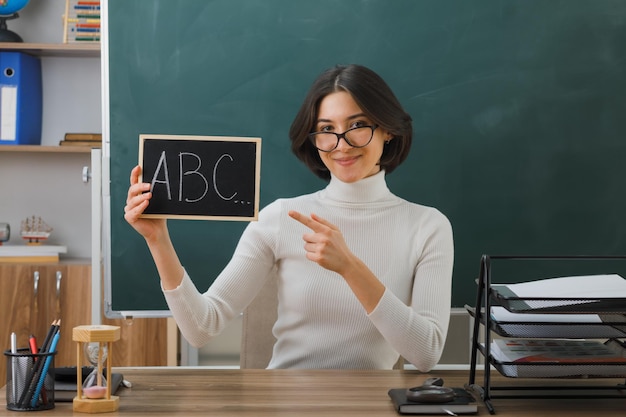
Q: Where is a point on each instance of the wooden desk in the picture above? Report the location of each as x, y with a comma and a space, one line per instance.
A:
260, 393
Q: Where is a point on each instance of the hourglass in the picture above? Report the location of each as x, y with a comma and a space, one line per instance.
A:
95, 384
96, 343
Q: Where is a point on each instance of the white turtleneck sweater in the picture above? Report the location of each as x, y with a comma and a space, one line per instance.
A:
321, 324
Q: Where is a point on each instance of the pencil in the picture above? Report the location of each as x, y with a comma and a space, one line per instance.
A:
44, 371
35, 372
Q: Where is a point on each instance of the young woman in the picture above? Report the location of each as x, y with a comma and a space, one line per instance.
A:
363, 275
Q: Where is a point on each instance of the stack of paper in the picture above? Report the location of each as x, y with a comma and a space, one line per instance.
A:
569, 357
31, 253
576, 326
554, 351
564, 292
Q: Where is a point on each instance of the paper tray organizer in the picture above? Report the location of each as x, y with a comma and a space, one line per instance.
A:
612, 326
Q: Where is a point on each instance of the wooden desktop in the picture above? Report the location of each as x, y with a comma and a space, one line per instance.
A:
186, 391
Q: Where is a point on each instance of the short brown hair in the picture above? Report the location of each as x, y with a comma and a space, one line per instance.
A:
372, 94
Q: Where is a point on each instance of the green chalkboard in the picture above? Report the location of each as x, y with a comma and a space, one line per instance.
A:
519, 110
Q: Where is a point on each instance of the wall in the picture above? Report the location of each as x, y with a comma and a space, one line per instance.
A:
44, 184
48, 185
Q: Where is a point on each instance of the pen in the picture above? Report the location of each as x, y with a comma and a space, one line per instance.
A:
14, 365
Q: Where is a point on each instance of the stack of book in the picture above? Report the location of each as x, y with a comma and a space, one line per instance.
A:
82, 21
93, 140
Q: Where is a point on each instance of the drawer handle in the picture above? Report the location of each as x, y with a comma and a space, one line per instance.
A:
59, 277
36, 290
36, 282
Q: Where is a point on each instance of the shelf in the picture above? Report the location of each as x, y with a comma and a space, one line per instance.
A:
567, 369
61, 262
611, 327
554, 305
91, 49
45, 149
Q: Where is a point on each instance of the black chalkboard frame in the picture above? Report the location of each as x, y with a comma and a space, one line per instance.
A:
246, 209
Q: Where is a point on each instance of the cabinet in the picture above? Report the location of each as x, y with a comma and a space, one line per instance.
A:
51, 173
34, 295
611, 330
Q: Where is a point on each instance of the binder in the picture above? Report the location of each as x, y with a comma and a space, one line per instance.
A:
20, 99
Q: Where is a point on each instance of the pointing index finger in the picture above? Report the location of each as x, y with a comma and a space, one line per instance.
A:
305, 220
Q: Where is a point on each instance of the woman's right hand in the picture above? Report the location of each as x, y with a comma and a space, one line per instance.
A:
136, 202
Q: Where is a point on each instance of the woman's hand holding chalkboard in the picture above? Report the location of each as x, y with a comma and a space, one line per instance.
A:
154, 230
136, 202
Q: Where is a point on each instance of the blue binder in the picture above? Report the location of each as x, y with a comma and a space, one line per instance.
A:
20, 99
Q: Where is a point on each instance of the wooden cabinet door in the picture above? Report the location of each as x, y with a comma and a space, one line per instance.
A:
32, 296
73, 306
143, 342
18, 307
46, 299
57, 282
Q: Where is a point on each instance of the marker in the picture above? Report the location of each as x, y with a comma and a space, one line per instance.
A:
33, 344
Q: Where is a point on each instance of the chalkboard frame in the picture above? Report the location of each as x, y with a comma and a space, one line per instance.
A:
207, 140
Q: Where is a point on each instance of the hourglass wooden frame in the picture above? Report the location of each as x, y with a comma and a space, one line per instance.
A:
101, 334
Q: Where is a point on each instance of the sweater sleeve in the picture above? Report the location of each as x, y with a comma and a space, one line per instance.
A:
418, 332
203, 316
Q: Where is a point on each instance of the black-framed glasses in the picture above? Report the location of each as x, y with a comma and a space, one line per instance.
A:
357, 137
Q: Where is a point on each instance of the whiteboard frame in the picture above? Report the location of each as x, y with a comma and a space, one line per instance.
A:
106, 180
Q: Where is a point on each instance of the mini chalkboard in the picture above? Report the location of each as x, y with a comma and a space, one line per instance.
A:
201, 177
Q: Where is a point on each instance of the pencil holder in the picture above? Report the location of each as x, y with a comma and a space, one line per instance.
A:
30, 380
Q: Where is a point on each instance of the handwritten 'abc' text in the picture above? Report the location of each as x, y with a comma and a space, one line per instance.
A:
162, 165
